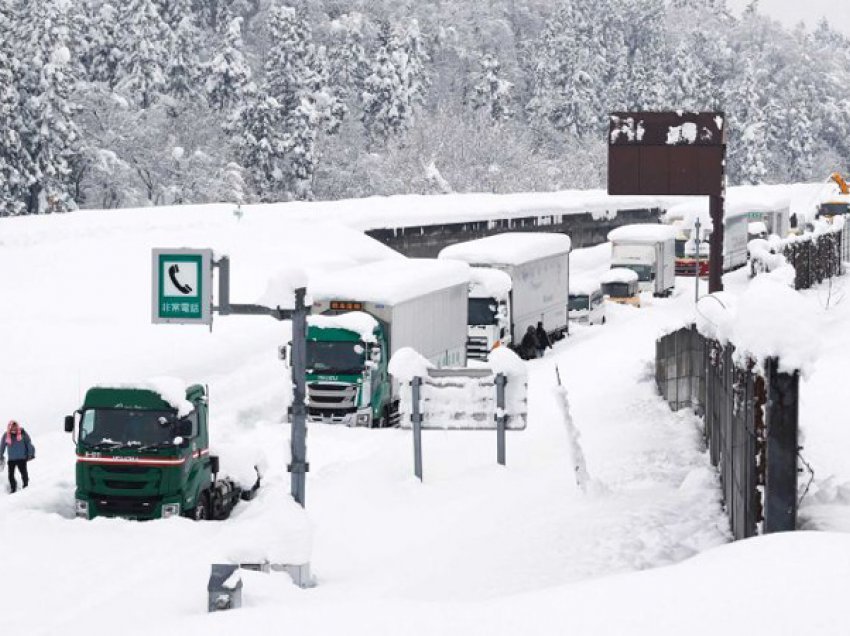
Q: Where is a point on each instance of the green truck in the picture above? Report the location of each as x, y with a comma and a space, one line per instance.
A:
362, 316
141, 455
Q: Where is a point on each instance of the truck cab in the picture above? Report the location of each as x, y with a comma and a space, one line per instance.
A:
587, 302
489, 312
347, 378
140, 456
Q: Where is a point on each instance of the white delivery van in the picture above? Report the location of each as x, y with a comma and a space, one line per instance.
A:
649, 250
587, 302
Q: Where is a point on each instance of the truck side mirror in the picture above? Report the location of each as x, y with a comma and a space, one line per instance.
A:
69, 423
214, 464
375, 355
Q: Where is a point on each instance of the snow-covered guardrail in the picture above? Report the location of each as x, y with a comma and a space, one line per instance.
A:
816, 255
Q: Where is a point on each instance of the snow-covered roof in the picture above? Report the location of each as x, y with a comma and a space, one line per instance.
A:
486, 282
171, 390
358, 322
584, 285
509, 248
642, 233
619, 275
757, 227
390, 281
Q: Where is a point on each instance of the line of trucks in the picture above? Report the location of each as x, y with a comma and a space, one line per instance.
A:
143, 453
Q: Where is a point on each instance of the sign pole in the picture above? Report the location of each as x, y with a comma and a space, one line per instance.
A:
715, 261
298, 441
697, 228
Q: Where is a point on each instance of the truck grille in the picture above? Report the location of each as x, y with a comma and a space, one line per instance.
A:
476, 348
126, 506
331, 397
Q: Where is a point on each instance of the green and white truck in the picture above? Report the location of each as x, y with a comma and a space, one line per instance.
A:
362, 316
143, 453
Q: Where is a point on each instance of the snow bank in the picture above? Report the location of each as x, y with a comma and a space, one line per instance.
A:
642, 233
486, 282
407, 364
619, 275
509, 248
503, 360
769, 319
390, 282
358, 322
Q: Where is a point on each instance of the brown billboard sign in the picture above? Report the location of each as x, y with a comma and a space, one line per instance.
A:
666, 153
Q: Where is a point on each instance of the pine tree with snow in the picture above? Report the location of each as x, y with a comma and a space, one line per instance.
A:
262, 144
184, 65
103, 54
347, 61
491, 93
296, 76
228, 74
748, 124
387, 102
48, 135
145, 52
14, 163
173, 12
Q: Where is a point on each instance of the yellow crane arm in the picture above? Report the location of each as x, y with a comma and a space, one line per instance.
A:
842, 184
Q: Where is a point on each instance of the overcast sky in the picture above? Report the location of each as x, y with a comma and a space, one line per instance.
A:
790, 12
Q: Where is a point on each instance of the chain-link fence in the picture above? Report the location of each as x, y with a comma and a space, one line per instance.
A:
750, 415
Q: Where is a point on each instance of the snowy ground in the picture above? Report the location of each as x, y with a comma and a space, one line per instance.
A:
474, 549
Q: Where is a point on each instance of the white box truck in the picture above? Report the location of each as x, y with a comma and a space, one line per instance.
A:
362, 316
648, 249
537, 264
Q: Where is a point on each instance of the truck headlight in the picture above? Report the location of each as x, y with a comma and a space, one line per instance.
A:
81, 508
170, 510
362, 419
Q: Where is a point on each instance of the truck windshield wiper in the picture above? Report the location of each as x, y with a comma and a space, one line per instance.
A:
155, 446
105, 445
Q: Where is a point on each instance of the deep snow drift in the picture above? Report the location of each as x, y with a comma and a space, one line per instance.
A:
475, 548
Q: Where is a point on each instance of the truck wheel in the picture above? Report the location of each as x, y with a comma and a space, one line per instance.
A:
201, 512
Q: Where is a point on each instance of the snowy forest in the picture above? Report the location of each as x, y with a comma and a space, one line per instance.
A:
150, 102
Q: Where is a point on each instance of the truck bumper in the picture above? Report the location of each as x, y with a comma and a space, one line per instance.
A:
361, 417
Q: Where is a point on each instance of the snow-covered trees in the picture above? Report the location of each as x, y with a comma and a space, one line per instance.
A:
107, 103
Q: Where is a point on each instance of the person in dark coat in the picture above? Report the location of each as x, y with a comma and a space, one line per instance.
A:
20, 450
543, 341
529, 345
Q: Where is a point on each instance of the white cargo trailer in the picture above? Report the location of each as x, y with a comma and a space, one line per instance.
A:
648, 249
538, 266
416, 303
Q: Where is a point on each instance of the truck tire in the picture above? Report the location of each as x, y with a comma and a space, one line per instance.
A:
201, 512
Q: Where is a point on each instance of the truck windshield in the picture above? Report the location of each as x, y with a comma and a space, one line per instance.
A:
644, 272
579, 301
114, 428
335, 357
483, 311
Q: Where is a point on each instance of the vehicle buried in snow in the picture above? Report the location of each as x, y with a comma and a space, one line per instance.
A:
587, 301
620, 285
648, 249
362, 316
537, 289
143, 453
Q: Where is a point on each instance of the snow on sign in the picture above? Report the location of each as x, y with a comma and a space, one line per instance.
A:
670, 153
182, 286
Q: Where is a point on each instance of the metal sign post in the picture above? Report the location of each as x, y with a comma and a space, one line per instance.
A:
672, 153
501, 380
183, 277
697, 228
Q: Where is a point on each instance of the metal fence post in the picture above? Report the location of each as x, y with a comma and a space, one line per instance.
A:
781, 473
298, 442
416, 418
501, 417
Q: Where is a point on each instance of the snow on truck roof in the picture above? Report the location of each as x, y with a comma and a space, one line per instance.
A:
509, 248
486, 282
620, 275
389, 281
584, 285
642, 232
358, 322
